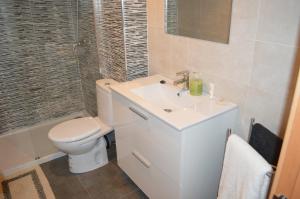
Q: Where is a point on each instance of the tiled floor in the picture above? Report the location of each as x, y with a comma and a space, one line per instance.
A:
106, 182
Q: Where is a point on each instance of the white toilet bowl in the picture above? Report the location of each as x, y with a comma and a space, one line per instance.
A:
82, 139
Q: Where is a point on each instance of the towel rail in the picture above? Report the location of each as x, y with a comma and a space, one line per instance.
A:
252, 121
271, 173
228, 133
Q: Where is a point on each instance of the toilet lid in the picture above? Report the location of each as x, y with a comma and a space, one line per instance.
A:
74, 130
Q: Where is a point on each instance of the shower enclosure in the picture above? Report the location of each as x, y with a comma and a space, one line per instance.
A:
51, 54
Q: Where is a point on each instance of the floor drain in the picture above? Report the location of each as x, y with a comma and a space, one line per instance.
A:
168, 110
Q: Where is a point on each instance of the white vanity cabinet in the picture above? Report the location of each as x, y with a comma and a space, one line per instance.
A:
167, 163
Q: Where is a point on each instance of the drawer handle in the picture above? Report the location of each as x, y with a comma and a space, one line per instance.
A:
138, 113
140, 158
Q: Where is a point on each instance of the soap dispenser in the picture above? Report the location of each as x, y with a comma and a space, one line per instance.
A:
195, 84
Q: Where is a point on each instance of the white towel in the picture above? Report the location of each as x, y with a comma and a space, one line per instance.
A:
244, 172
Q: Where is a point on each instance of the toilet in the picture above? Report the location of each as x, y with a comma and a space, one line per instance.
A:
83, 138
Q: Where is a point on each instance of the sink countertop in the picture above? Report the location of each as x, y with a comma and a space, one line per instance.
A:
180, 119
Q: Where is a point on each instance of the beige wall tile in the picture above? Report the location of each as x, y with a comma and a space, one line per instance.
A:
274, 54
273, 65
233, 92
159, 51
200, 53
244, 19
237, 62
265, 108
279, 21
233, 61
155, 11
178, 53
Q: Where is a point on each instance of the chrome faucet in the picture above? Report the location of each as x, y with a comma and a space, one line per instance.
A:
184, 80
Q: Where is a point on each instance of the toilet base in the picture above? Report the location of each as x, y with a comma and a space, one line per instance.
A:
95, 158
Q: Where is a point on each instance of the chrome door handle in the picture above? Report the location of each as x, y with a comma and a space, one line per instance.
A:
138, 113
141, 159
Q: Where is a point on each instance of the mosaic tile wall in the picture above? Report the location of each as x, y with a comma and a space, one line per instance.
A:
135, 34
48, 70
39, 75
87, 54
121, 32
110, 38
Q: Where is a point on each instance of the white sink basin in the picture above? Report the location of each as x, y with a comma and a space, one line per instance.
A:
162, 101
165, 96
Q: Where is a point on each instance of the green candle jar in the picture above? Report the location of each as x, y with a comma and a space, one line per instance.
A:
195, 84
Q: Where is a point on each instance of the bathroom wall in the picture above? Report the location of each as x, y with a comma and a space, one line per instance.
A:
121, 32
135, 38
49, 64
254, 70
87, 52
110, 38
39, 75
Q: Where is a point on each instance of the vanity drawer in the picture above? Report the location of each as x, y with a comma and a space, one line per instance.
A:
157, 141
161, 146
150, 179
122, 115
158, 144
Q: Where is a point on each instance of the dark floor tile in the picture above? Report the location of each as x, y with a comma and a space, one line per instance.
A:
138, 194
99, 176
114, 161
57, 167
64, 184
69, 189
113, 193
107, 182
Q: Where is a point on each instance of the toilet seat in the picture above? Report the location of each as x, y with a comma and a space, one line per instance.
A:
74, 130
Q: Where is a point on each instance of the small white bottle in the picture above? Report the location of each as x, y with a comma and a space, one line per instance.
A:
211, 90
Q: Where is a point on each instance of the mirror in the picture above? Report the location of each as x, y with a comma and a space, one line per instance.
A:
201, 19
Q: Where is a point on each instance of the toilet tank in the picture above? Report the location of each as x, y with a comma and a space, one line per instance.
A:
104, 100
